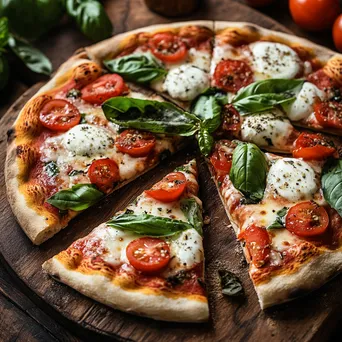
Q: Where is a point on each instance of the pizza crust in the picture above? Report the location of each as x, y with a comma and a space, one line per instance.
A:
101, 289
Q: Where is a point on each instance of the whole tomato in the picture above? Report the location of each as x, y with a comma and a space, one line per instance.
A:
337, 33
314, 15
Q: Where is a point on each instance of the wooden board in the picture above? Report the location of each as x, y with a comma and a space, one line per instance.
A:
231, 319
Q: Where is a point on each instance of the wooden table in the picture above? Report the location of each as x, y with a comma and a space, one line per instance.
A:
21, 316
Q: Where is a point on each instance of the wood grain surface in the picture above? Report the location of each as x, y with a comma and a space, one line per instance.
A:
307, 319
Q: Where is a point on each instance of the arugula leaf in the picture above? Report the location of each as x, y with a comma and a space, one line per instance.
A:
280, 219
4, 34
205, 142
4, 71
263, 95
152, 116
79, 197
146, 224
51, 169
248, 172
230, 283
140, 68
332, 183
34, 59
192, 212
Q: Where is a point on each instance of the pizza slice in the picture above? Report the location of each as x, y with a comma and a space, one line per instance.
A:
274, 82
64, 155
287, 214
148, 259
172, 59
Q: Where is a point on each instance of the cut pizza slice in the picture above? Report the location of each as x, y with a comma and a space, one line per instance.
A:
148, 259
287, 214
172, 59
64, 155
275, 81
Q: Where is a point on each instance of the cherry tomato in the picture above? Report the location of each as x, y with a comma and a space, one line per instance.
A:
231, 75
322, 81
312, 146
169, 189
307, 219
231, 119
337, 33
104, 173
258, 3
314, 15
329, 114
135, 143
168, 47
257, 243
148, 254
221, 160
59, 115
104, 88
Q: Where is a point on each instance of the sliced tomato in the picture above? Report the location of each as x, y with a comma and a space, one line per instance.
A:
312, 146
322, 81
221, 160
231, 119
135, 143
104, 88
232, 75
169, 189
257, 243
329, 114
168, 47
148, 254
307, 219
104, 173
59, 115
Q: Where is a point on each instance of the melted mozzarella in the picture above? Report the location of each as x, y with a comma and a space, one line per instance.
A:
293, 179
199, 59
274, 60
282, 239
302, 107
186, 82
87, 140
223, 52
266, 129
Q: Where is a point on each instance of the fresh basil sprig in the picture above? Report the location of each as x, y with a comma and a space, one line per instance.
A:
230, 283
279, 222
140, 68
4, 33
150, 225
332, 183
79, 197
263, 95
249, 170
192, 212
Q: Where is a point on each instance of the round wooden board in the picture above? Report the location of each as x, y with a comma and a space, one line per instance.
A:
231, 319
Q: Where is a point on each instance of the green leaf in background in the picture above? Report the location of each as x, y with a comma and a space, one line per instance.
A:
34, 59
332, 183
230, 283
146, 224
91, 18
249, 170
4, 34
279, 222
192, 212
140, 68
4, 71
79, 197
31, 18
152, 116
205, 141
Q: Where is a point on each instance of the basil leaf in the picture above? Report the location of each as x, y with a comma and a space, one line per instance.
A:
34, 59
4, 34
205, 142
79, 197
75, 173
280, 219
146, 224
140, 68
51, 169
263, 95
248, 172
332, 183
230, 283
73, 93
152, 116
4, 71
192, 212
208, 109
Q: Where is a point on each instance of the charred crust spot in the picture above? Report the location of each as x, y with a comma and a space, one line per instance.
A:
10, 134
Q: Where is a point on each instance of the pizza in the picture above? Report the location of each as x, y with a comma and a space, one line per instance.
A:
292, 237
148, 259
115, 109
